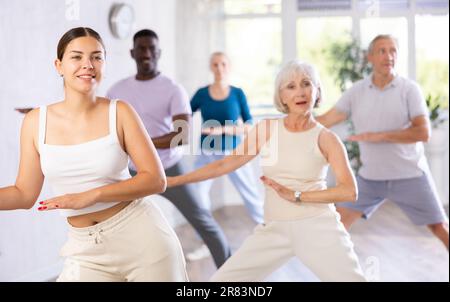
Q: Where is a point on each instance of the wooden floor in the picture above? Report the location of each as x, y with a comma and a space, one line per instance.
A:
389, 246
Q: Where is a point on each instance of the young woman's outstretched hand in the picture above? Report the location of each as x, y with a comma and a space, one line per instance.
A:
69, 201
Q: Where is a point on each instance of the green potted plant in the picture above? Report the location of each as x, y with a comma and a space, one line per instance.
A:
436, 147
438, 112
438, 109
349, 62
349, 65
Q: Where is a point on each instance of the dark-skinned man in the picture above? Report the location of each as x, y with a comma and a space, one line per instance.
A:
162, 104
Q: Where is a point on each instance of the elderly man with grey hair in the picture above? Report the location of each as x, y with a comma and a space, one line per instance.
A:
391, 122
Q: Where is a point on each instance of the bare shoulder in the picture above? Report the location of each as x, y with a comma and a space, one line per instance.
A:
31, 121
30, 126
329, 142
125, 109
126, 114
328, 136
32, 116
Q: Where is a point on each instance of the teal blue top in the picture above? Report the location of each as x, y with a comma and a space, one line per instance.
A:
220, 113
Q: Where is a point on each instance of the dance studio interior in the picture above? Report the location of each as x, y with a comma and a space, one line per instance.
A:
255, 39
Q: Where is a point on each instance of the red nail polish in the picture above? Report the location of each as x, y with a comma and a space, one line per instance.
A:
42, 208
56, 206
41, 202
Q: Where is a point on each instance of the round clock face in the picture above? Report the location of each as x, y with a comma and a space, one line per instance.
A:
121, 20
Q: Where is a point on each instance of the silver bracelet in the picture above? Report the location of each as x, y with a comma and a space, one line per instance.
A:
297, 195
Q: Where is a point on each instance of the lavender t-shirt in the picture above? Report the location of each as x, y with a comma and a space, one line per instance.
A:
156, 101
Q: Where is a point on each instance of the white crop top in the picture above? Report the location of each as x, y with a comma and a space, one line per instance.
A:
82, 167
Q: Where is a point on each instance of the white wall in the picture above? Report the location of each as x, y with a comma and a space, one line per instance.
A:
29, 32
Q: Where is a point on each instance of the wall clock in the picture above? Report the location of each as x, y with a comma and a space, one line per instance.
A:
121, 20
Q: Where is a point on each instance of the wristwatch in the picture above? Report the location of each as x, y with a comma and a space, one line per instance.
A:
297, 195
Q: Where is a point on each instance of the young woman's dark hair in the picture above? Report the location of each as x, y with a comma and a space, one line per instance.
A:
74, 33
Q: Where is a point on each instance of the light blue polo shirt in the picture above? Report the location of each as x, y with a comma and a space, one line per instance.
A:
389, 109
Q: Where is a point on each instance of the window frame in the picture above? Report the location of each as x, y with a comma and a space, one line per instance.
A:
290, 14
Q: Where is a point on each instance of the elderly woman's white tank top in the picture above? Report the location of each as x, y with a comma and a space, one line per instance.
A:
82, 167
294, 160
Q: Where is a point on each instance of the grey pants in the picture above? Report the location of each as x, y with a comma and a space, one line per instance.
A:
188, 203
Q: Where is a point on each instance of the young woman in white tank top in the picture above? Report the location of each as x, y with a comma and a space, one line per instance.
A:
299, 213
82, 146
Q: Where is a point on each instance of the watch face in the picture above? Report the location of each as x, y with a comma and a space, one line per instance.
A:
121, 20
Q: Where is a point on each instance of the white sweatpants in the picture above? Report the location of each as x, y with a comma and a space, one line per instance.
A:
320, 242
136, 244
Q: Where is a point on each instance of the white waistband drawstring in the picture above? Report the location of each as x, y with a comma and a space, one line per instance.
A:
98, 235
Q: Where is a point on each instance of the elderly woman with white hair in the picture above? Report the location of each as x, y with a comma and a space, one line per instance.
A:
300, 217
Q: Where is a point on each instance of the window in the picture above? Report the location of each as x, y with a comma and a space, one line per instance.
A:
432, 52
254, 48
237, 7
375, 7
314, 39
432, 4
254, 39
323, 4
